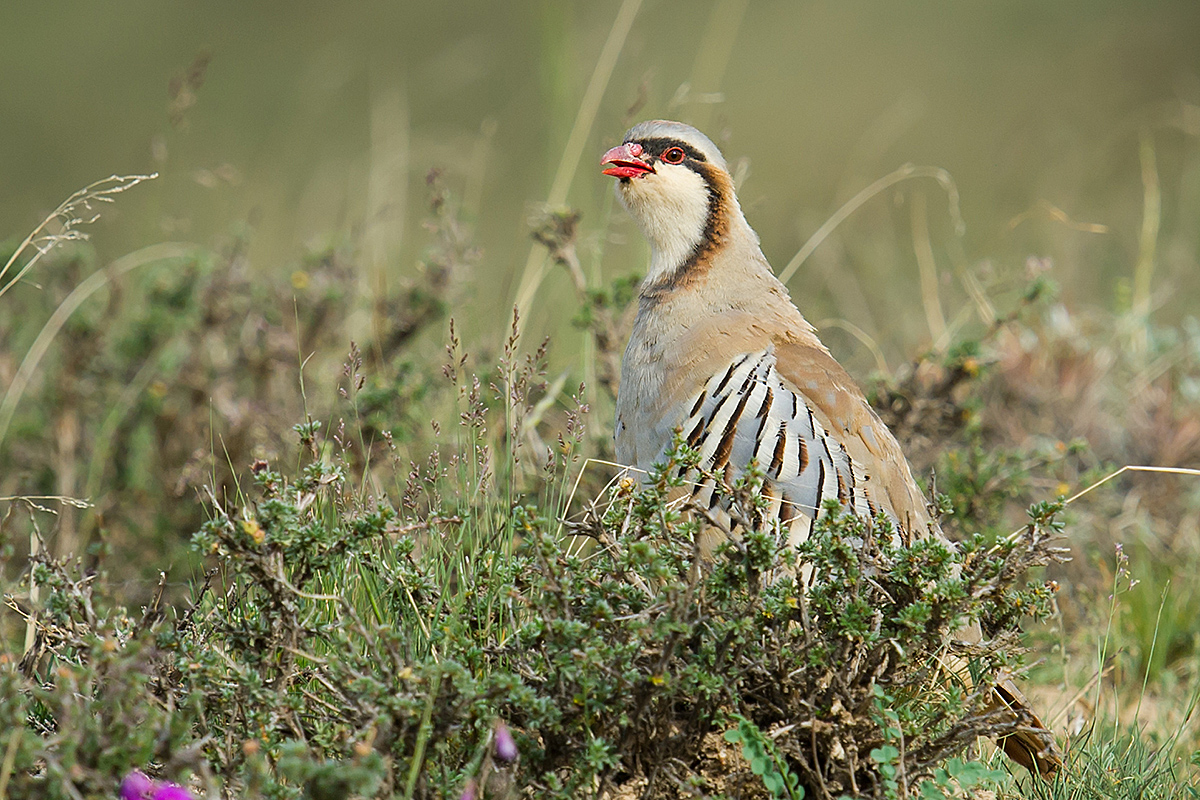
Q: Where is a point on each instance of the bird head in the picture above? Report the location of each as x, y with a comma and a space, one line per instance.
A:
673, 181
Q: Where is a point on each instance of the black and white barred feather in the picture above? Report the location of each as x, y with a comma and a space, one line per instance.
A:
748, 413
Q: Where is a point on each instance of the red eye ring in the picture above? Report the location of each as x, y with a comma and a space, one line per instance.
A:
673, 155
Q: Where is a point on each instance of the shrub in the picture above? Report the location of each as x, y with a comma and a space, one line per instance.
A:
341, 645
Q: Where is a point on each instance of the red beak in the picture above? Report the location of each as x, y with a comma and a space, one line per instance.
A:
625, 161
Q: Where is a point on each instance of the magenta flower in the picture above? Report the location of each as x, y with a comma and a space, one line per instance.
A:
172, 791
136, 786
506, 748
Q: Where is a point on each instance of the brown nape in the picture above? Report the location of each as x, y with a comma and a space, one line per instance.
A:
716, 234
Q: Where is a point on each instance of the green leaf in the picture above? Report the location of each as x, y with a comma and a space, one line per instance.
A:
885, 754
972, 773
929, 791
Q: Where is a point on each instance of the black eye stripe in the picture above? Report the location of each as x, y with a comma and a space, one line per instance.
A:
656, 147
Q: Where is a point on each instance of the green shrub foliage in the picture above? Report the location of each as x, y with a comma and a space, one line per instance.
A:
337, 646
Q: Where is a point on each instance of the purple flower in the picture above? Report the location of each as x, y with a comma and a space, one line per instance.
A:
506, 748
171, 791
468, 791
136, 786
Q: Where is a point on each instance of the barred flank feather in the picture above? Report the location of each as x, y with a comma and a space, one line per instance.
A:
747, 412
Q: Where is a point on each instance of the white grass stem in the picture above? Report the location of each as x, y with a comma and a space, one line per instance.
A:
1133, 468
1137, 712
935, 318
535, 265
712, 57
863, 337
904, 173
68, 214
74, 502
90, 285
1143, 271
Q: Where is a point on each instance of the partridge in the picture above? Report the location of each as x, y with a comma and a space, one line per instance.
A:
719, 353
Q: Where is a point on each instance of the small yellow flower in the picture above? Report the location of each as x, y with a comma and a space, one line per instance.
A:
970, 366
300, 280
1063, 489
157, 390
792, 602
626, 485
251, 528
658, 680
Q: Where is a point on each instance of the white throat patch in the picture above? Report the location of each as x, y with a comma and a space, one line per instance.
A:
671, 208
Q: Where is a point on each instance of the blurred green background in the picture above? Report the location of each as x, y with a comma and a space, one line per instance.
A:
295, 144
317, 120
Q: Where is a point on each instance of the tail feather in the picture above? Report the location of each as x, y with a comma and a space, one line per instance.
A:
1033, 745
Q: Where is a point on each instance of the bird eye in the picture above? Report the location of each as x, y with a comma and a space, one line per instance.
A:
673, 155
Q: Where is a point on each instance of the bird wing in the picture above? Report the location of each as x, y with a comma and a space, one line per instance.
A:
751, 411
760, 385
840, 405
